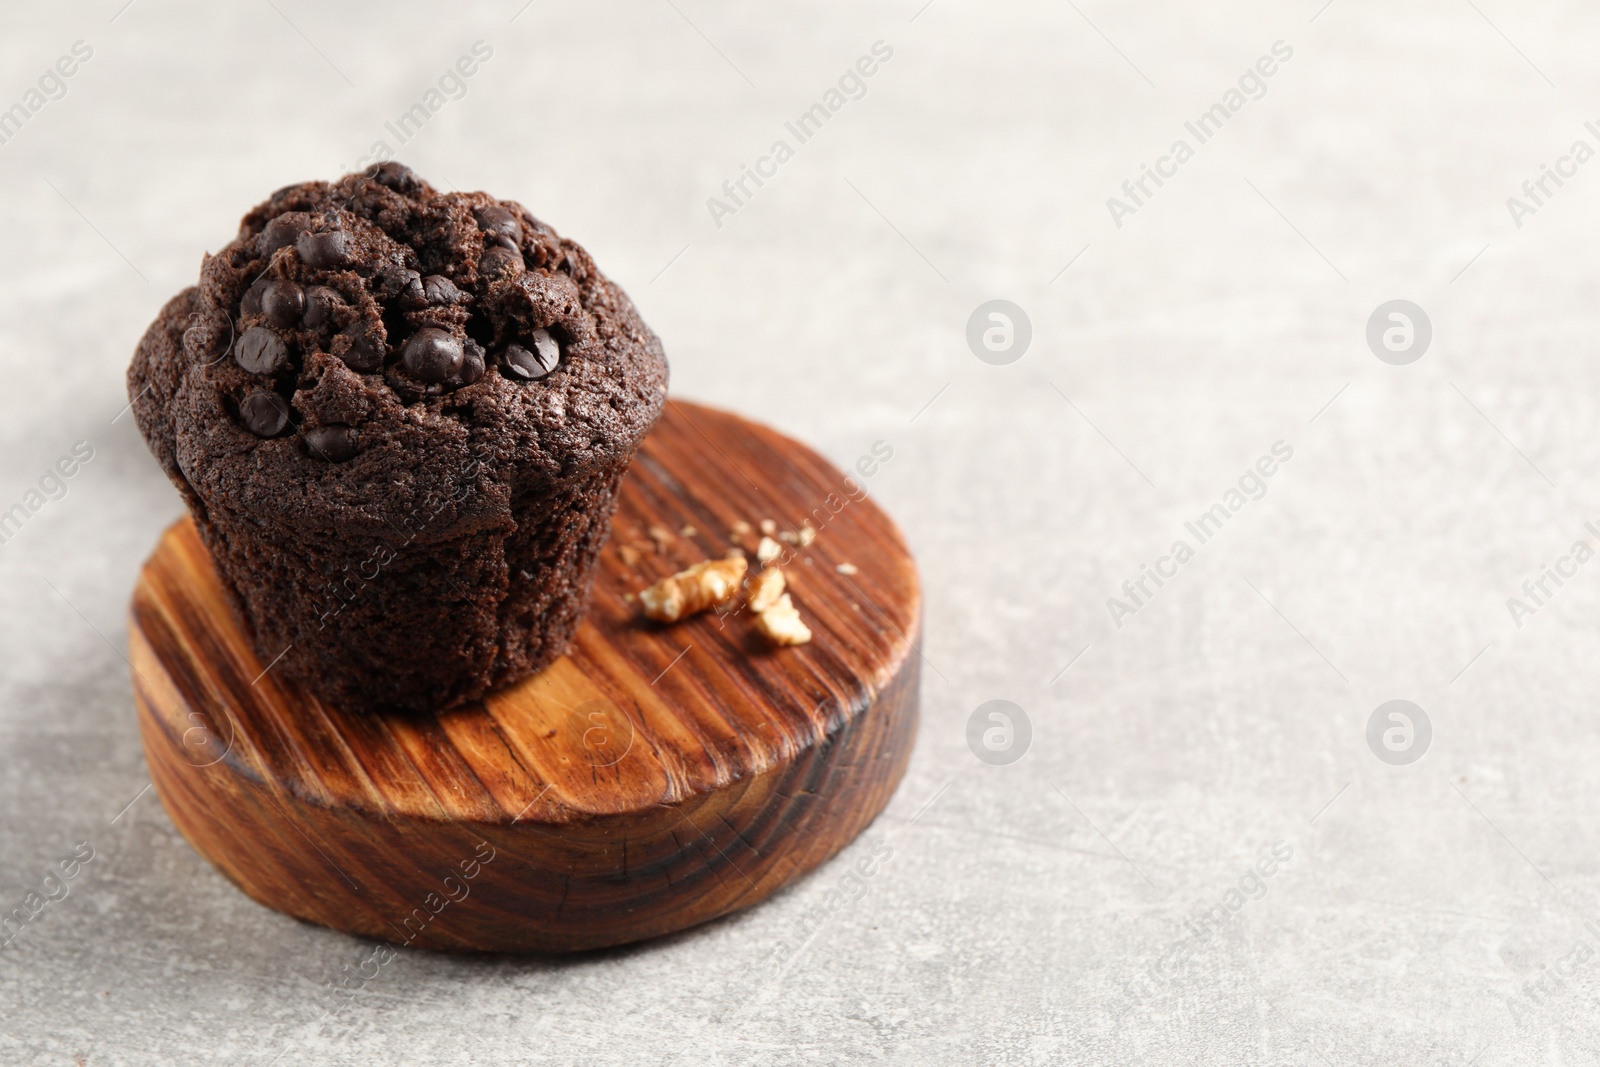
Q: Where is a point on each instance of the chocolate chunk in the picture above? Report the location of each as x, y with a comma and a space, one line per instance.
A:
473, 366
283, 231
497, 220
530, 363
325, 250
250, 302
400, 284
437, 289
334, 442
320, 304
264, 414
397, 176
364, 350
499, 260
282, 302
260, 351
432, 355
546, 347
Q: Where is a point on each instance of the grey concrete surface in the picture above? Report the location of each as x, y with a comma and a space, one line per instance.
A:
1046, 911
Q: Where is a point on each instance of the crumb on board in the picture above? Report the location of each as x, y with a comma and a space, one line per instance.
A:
661, 536
768, 550
846, 568
628, 555
769, 527
799, 538
688, 531
739, 529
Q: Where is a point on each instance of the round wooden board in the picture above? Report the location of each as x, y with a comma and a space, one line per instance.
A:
651, 779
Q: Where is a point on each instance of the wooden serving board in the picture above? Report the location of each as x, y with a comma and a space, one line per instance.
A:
651, 779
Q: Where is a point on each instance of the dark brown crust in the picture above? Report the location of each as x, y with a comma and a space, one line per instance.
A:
455, 550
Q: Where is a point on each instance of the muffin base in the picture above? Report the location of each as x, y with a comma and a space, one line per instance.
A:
404, 623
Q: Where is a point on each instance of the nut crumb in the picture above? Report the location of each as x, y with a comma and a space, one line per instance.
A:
799, 538
734, 553
765, 588
780, 624
846, 568
628, 554
688, 531
769, 527
661, 536
629, 598
768, 550
739, 529
694, 590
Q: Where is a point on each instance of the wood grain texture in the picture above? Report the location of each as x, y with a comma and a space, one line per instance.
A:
653, 778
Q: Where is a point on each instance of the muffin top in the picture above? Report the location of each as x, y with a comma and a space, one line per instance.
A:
370, 346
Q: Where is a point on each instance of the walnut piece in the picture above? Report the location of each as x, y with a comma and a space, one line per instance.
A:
769, 527
765, 589
628, 554
780, 624
768, 550
661, 536
686, 593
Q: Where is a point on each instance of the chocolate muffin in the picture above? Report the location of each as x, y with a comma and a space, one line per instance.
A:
399, 418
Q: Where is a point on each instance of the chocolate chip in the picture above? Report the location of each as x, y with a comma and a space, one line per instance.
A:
363, 349
264, 414
334, 442
402, 284
546, 347
497, 220
283, 231
432, 355
324, 250
397, 176
320, 305
438, 289
530, 363
282, 301
500, 260
472, 367
260, 351
250, 302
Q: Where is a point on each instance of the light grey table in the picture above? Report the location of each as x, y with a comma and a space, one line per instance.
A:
1099, 899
